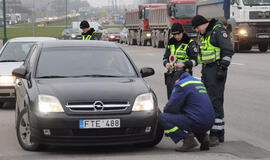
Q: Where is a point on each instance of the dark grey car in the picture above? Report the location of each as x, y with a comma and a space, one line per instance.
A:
84, 93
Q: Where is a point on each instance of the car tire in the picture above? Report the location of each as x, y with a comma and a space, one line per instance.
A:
1, 104
23, 132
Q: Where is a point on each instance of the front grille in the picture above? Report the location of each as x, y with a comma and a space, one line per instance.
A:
97, 132
97, 106
259, 15
4, 94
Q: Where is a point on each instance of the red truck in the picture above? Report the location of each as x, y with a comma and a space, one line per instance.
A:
162, 18
152, 22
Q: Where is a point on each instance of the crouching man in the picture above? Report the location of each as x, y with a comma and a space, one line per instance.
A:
188, 113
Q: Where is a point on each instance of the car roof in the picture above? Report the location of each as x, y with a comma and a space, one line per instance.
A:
31, 39
78, 43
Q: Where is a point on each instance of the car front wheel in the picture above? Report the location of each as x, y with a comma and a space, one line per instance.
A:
24, 132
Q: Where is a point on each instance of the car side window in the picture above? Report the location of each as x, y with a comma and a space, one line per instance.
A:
30, 58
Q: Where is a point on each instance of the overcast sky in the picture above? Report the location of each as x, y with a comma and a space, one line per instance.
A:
100, 3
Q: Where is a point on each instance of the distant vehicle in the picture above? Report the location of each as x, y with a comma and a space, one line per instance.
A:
12, 55
84, 93
111, 34
42, 24
123, 35
71, 34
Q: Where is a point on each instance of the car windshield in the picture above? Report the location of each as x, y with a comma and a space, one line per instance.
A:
184, 10
114, 31
83, 62
256, 2
146, 14
16, 51
74, 31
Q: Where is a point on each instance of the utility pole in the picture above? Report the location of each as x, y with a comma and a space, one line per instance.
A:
34, 17
5, 24
66, 14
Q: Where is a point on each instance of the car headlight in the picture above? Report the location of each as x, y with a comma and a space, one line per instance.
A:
7, 80
48, 103
243, 32
148, 35
112, 36
144, 102
73, 35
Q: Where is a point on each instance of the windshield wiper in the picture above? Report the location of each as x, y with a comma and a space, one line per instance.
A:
96, 75
54, 76
9, 61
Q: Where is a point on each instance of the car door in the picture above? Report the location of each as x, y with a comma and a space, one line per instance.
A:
23, 85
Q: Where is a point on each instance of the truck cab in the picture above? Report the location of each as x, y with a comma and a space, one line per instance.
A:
182, 11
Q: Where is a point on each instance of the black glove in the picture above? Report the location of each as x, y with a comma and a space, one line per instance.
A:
221, 73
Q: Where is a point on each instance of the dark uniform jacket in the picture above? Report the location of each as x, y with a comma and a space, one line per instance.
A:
192, 51
220, 38
91, 32
191, 99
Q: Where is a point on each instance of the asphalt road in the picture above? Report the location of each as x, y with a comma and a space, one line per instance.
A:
247, 116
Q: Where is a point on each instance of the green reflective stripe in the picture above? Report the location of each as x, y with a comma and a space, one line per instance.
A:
200, 87
202, 91
190, 82
171, 130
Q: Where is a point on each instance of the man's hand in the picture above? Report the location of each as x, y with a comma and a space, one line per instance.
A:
221, 74
179, 65
168, 66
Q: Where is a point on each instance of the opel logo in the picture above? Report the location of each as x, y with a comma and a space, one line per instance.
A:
98, 106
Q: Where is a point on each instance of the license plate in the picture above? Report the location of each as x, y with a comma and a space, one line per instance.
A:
263, 36
100, 123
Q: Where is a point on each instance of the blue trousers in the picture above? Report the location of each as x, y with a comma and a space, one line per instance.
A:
177, 126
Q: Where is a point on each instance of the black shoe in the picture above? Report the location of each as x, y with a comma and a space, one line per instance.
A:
221, 139
205, 145
214, 141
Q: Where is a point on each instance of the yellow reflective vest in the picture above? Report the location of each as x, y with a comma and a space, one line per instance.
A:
87, 37
180, 54
209, 53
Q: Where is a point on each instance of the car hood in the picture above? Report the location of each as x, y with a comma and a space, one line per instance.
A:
6, 68
93, 89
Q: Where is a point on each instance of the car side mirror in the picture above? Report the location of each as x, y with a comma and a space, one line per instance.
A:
19, 72
146, 72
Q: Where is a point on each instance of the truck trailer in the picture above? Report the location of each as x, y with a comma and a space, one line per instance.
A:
248, 21
137, 23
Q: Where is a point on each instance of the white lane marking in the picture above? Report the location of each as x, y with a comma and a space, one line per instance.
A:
240, 64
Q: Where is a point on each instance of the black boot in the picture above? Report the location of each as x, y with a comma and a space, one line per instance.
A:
205, 143
221, 138
214, 141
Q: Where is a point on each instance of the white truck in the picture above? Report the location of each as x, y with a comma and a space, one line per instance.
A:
248, 21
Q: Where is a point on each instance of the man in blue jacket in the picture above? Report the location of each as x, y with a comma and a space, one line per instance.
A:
188, 113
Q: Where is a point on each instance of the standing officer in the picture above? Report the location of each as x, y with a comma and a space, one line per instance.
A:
189, 109
88, 33
215, 56
181, 54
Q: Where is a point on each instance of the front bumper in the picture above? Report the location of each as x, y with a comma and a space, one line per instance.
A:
64, 129
7, 94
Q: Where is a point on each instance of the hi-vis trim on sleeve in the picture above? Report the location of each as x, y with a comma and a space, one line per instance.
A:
226, 58
171, 130
190, 82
